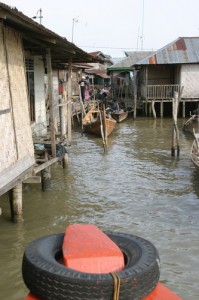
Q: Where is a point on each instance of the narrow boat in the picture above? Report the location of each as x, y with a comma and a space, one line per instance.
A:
192, 124
117, 110
195, 151
98, 122
119, 115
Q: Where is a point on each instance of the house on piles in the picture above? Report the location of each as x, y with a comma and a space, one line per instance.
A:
98, 70
121, 74
173, 68
28, 53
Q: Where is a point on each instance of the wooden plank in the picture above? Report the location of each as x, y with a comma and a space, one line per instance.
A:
33, 179
15, 171
18, 179
46, 164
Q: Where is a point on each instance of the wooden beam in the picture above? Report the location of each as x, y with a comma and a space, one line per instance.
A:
16, 173
51, 101
45, 165
33, 179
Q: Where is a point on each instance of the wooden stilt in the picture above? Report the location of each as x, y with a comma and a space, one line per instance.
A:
65, 161
183, 110
15, 197
153, 108
161, 109
175, 131
62, 118
46, 179
135, 95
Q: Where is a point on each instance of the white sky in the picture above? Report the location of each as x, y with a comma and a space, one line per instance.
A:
115, 26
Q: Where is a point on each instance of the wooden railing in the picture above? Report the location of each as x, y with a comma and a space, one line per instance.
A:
162, 92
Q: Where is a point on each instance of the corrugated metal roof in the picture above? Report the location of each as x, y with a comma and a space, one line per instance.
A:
132, 58
182, 51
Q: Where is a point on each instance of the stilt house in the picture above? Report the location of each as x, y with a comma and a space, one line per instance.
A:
28, 52
173, 68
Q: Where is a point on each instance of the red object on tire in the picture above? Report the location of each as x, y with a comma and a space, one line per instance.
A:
87, 249
159, 293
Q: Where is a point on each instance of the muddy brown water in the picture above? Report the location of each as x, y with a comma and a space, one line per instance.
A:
136, 187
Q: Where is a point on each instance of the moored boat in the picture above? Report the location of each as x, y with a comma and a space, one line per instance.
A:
119, 115
195, 152
192, 124
98, 122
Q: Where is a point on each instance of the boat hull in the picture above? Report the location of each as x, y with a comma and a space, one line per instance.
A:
195, 153
192, 125
95, 124
119, 116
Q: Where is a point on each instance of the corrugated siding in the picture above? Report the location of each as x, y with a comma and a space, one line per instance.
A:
16, 136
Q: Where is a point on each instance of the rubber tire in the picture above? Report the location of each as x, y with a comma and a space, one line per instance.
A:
48, 279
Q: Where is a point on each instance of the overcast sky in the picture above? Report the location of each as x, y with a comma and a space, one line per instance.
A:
115, 26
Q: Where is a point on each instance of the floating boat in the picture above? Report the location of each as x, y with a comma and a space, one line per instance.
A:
87, 263
192, 124
117, 110
195, 151
119, 115
98, 122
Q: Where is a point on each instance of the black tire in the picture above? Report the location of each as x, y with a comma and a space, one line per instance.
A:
48, 279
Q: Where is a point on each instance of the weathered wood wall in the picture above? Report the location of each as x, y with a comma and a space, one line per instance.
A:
15, 131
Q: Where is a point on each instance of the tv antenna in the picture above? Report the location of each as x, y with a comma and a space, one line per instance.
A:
39, 15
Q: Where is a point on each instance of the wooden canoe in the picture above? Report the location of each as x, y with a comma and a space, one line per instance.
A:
97, 122
192, 124
119, 115
195, 152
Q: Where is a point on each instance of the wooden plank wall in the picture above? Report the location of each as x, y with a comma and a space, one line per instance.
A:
15, 130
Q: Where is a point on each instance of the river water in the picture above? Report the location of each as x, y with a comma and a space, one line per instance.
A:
135, 187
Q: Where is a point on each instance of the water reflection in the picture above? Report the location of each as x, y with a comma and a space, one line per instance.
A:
135, 187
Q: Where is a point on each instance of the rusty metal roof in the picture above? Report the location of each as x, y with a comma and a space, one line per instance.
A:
132, 58
184, 50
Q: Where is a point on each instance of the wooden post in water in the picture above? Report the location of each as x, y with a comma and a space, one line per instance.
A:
153, 108
135, 94
175, 132
46, 179
65, 161
15, 197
